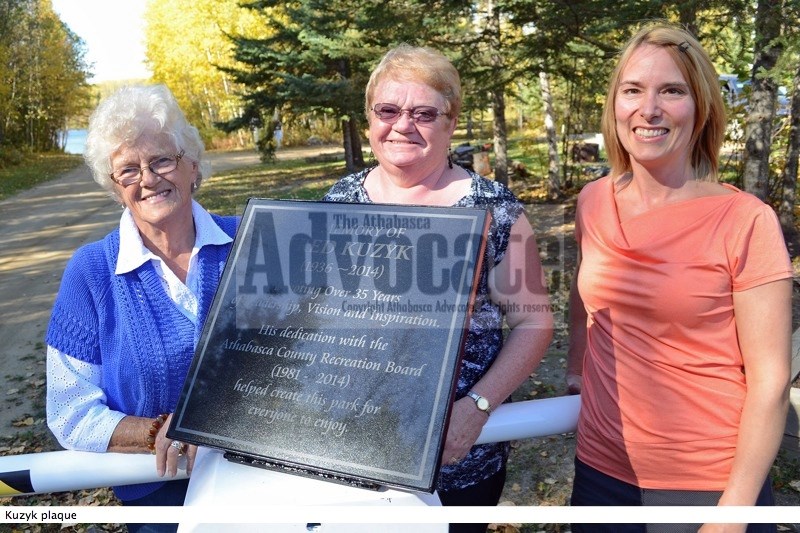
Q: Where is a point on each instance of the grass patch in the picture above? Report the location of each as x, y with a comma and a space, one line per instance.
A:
33, 170
531, 153
226, 193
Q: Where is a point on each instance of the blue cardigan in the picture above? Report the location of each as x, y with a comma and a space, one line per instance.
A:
128, 325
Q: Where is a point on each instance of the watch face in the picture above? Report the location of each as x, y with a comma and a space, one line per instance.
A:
483, 403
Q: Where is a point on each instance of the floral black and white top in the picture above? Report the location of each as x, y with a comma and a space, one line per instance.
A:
485, 335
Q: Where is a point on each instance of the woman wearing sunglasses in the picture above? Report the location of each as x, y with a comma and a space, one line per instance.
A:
412, 101
131, 306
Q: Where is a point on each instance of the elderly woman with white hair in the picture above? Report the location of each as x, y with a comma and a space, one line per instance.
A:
131, 306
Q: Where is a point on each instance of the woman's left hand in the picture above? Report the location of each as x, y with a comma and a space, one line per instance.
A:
466, 423
168, 456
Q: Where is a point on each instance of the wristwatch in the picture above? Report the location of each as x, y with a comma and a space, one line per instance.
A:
480, 402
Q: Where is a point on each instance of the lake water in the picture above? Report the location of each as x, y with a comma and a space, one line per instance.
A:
76, 141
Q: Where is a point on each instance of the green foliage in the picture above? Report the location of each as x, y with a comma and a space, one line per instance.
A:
44, 76
33, 170
306, 63
531, 151
192, 63
309, 61
10, 156
317, 60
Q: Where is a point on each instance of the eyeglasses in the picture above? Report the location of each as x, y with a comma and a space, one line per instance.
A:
423, 114
160, 166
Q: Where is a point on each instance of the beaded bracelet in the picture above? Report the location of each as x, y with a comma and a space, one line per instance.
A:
153, 431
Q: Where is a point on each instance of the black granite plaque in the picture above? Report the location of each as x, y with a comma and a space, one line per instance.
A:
333, 344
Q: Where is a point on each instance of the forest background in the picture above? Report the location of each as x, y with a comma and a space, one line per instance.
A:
534, 73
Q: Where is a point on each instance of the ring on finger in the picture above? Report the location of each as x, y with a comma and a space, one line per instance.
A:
181, 447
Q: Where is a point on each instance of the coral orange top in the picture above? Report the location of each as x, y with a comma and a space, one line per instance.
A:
663, 380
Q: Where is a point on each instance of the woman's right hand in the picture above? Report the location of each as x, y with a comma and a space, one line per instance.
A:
168, 456
574, 383
466, 423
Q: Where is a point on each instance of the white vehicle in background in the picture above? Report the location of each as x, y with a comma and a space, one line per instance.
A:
736, 93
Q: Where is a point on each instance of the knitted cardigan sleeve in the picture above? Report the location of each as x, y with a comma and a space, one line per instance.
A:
86, 281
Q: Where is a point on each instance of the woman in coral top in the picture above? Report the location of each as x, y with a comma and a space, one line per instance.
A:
681, 309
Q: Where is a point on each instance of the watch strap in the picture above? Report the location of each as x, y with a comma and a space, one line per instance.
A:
481, 402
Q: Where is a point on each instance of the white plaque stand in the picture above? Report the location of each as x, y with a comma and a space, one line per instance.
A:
217, 482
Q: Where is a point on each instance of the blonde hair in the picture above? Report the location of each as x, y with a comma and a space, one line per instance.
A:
703, 80
419, 64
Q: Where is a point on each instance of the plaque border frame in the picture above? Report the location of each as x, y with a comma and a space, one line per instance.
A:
176, 431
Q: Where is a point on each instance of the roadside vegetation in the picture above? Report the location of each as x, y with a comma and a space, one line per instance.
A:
227, 193
33, 169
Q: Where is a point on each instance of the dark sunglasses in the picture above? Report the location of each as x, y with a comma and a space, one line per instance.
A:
423, 114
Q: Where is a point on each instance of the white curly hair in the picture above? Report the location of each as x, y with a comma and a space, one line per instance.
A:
134, 112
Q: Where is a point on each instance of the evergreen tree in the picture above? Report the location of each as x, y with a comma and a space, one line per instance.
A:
317, 59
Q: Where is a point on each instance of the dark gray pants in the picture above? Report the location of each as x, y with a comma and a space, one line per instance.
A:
592, 487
